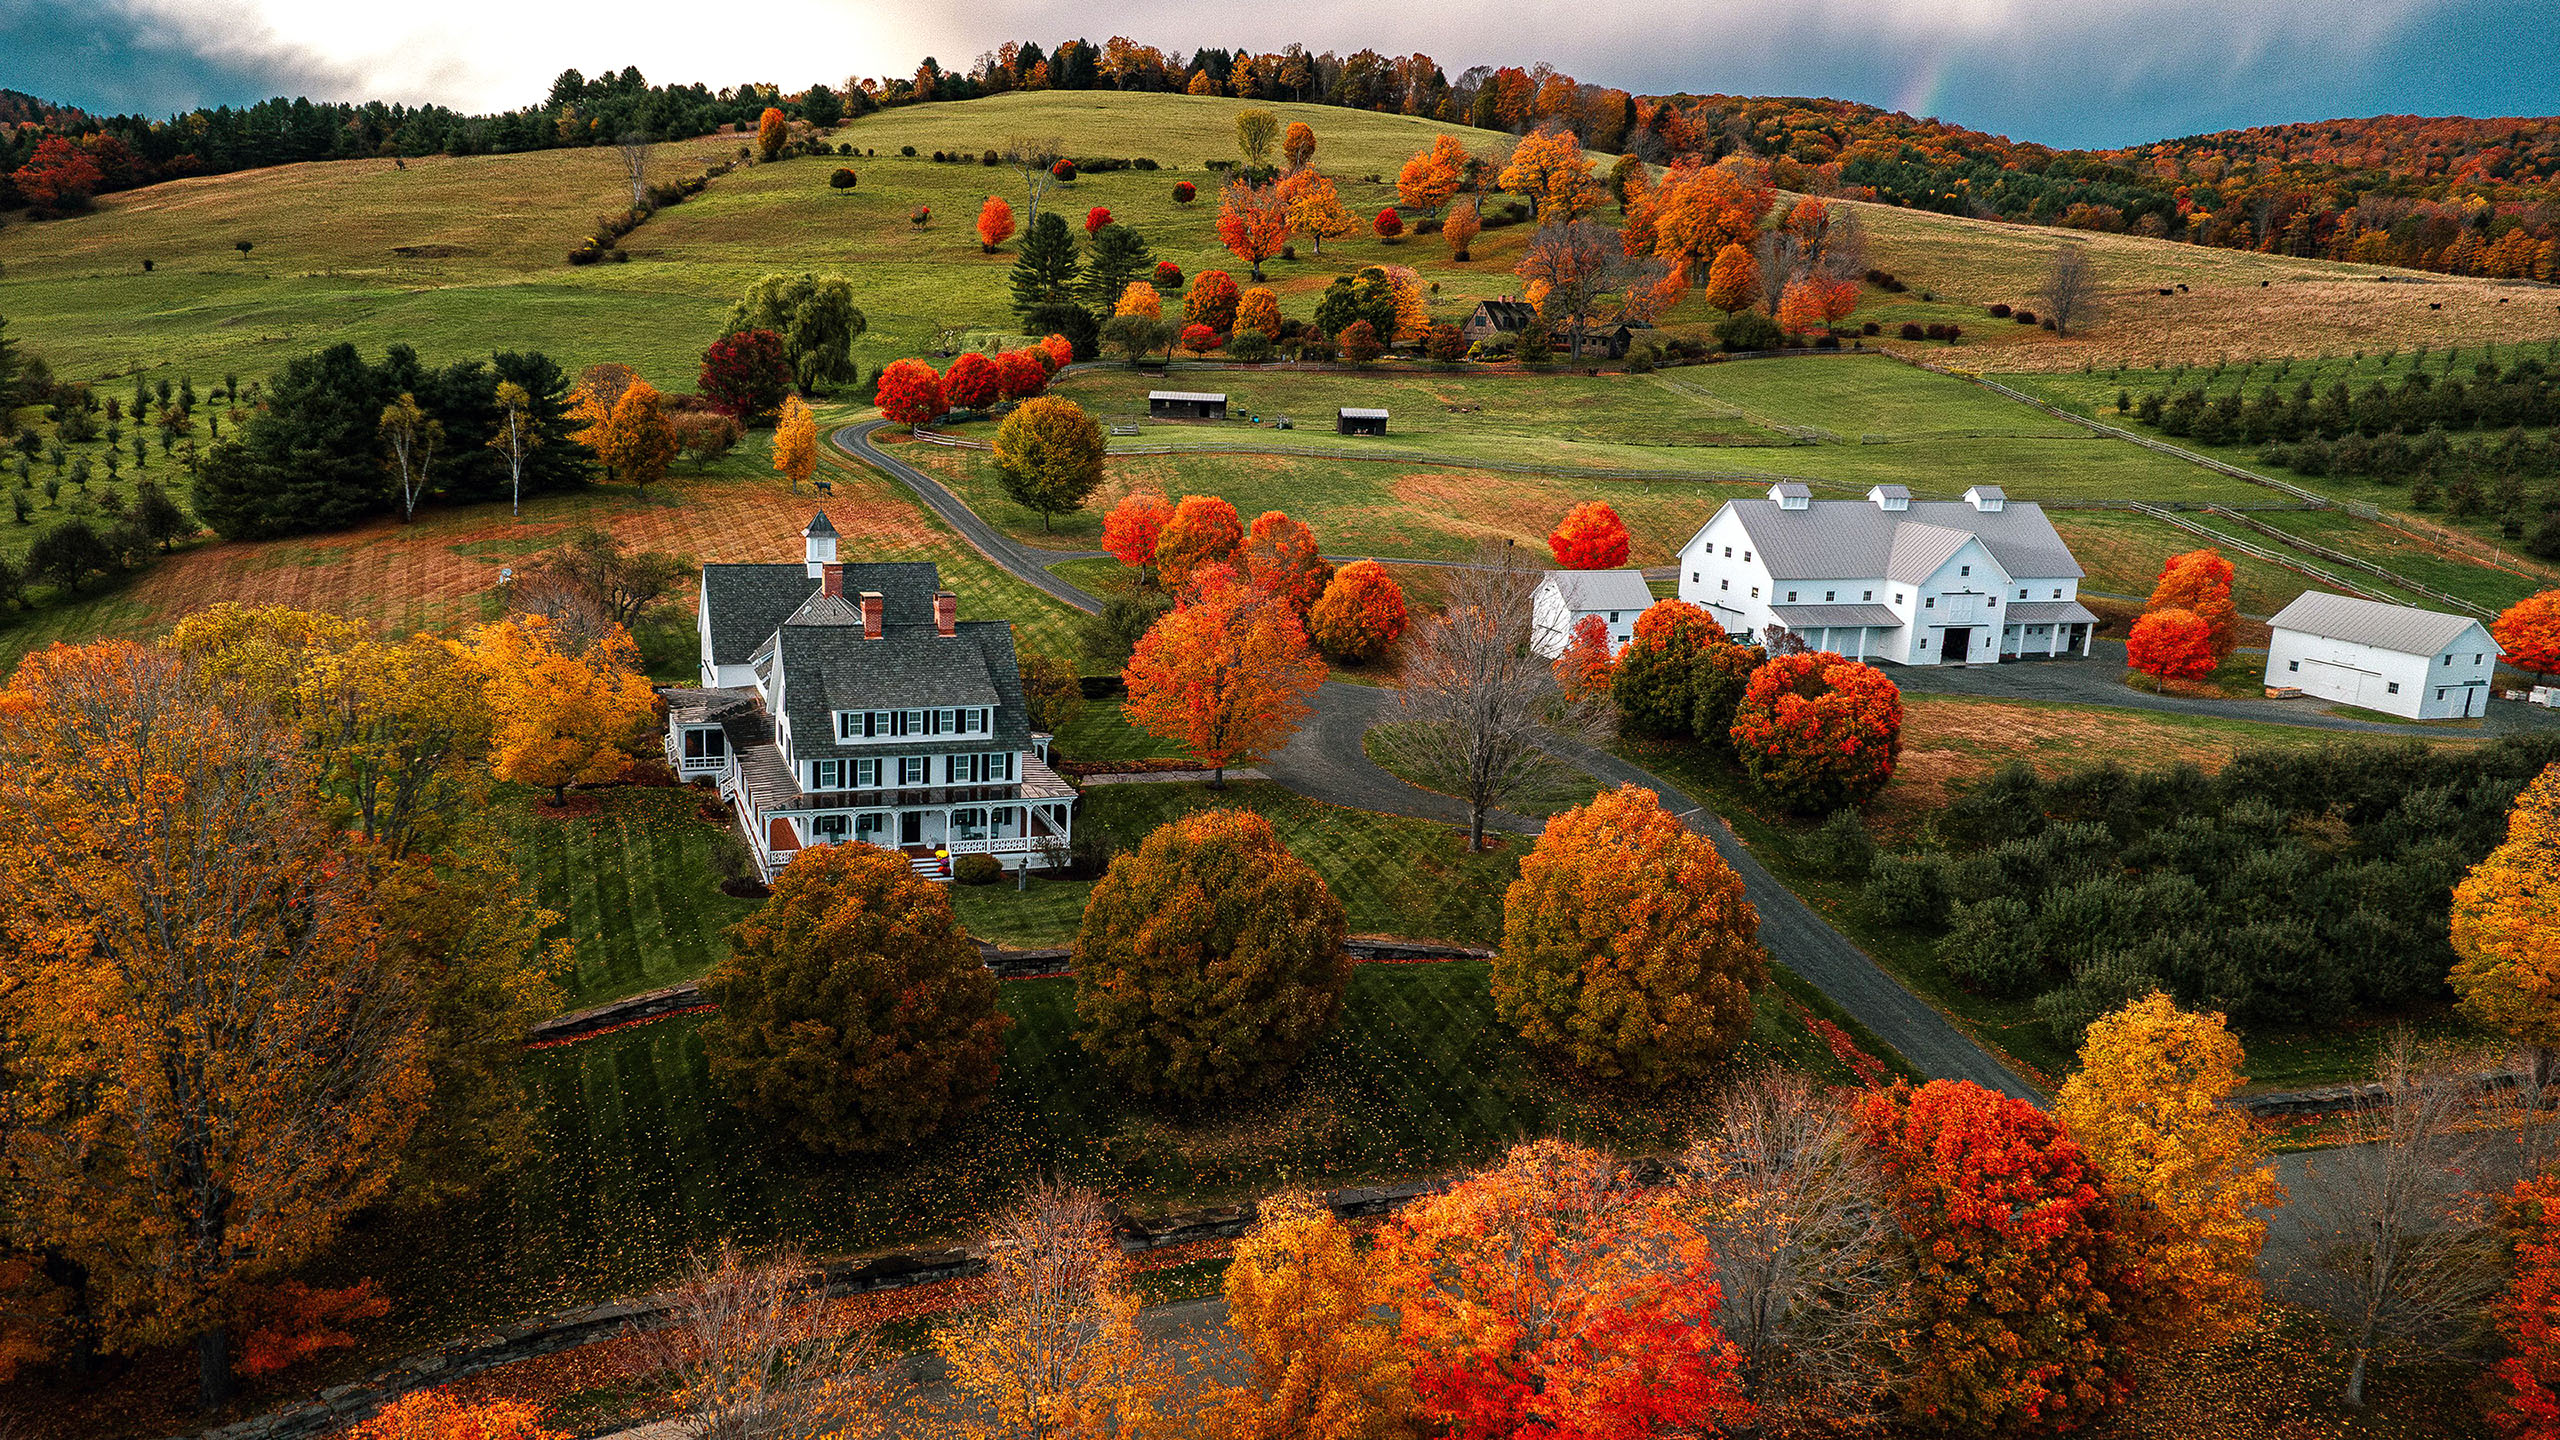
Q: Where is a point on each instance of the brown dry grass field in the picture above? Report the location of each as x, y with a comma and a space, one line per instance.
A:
2238, 303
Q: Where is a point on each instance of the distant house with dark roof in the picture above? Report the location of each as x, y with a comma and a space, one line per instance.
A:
2424, 664
851, 703
1938, 582
1608, 342
1497, 317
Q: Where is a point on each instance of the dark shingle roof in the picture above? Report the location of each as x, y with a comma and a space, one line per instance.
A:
829, 668
747, 603
819, 524
1508, 314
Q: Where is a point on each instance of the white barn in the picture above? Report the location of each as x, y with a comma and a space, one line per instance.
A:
2394, 658
1888, 578
1564, 597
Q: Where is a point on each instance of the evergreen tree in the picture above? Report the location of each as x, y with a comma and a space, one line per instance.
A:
310, 461
1045, 271
1119, 256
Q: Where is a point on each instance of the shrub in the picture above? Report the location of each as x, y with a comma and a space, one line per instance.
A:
1871, 328
1911, 330
2025, 317
907, 150
1655, 685
1359, 343
1914, 891
1209, 961
1184, 192
1816, 731
977, 870
1250, 346
1749, 330
1999, 312
855, 1014
842, 179
1628, 951
1064, 170
1842, 846
1991, 948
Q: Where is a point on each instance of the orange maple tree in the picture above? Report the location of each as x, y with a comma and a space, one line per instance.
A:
1628, 951
1360, 614
1554, 1297
2171, 645
2528, 1317
1585, 665
1428, 179
2529, 632
2506, 925
636, 443
1253, 222
1589, 537
1259, 309
1696, 213
1202, 530
1212, 301
1131, 528
1550, 168
1226, 676
1460, 231
1058, 352
1733, 281
970, 383
910, 393
2199, 582
1800, 307
771, 131
995, 223
1280, 560
2019, 1307
1817, 731
564, 717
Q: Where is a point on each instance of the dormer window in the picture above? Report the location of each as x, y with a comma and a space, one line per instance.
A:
1830, 595
2057, 592
901, 724
1791, 597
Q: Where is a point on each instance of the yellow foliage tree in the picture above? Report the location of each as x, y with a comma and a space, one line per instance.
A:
1056, 1351
2506, 925
1549, 168
2147, 1106
1413, 311
562, 717
1432, 176
1305, 1305
1140, 298
1315, 208
795, 442
1259, 309
636, 443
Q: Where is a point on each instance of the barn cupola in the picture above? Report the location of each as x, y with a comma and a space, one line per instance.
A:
818, 541
1890, 497
1792, 495
1989, 499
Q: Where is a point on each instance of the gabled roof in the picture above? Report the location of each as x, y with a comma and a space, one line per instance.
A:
1919, 549
747, 603
819, 525
1836, 617
1507, 314
832, 667
1212, 396
2402, 628
1349, 412
1587, 590
1856, 540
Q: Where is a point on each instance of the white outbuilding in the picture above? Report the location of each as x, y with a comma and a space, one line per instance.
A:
2394, 658
1912, 582
1564, 597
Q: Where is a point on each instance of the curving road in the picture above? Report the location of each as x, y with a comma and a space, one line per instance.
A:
1325, 761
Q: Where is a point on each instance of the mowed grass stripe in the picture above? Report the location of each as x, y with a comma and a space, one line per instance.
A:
633, 886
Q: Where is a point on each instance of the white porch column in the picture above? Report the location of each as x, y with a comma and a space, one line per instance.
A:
2088, 638
1862, 643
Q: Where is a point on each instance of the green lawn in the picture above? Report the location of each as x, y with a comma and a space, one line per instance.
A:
2123, 552
1560, 787
633, 887
1102, 732
1410, 879
640, 1161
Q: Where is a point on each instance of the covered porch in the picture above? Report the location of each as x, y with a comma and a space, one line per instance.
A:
1856, 631
2047, 630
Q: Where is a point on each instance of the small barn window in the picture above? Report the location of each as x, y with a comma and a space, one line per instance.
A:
1897, 597
2293, 664
1746, 557
2439, 692
1613, 617
1929, 604
1867, 595
1693, 577
1924, 642
1830, 595
1728, 552
1755, 592
2057, 592
1964, 569
1724, 585
1791, 597
2394, 687
2022, 594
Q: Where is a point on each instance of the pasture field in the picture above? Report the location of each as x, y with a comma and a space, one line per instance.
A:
2124, 552
632, 885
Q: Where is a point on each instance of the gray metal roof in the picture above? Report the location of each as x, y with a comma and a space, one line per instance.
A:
1586, 590
1836, 617
1350, 413
2403, 628
1919, 548
749, 602
2047, 612
1219, 395
1854, 540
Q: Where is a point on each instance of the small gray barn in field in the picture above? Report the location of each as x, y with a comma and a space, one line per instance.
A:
1349, 421
1186, 405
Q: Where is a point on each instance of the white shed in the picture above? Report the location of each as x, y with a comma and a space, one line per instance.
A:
1564, 597
2394, 658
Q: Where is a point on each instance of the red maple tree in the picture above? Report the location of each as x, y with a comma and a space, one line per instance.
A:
1096, 218
995, 223
1131, 529
1020, 374
910, 392
746, 374
2171, 645
1388, 225
1584, 668
970, 383
1280, 559
1817, 731
1589, 537
2199, 582
2528, 1317
2529, 632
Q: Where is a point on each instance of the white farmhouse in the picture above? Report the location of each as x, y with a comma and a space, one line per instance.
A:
2394, 658
1886, 578
1564, 597
844, 703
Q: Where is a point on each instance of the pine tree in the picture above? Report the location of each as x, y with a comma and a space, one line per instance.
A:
1046, 270
1119, 258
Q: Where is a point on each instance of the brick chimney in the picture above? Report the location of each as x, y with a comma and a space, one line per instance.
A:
870, 614
831, 580
946, 613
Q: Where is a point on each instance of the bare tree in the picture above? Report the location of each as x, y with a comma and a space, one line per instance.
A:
1478, 702
750, 1356
1032, 157
2070, 287
1784, 1197
579, 622
2398, 1248
1782, 263
633, 147
1840, 251
625, 583
1588, 276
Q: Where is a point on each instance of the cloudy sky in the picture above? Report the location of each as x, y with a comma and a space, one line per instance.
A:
2066, 72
